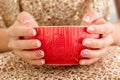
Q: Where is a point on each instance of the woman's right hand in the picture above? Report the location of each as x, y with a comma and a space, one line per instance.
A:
23, 26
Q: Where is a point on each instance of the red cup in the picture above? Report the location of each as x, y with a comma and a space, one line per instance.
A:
62, 44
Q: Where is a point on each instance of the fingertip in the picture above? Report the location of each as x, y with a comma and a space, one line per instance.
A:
86, 42
23, 17
85, 53
39, 54
90, 29
82, 62
87, 19
32, 32
42, 62
27, 19
38, 43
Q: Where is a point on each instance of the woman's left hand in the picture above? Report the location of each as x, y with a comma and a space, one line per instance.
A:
96, 25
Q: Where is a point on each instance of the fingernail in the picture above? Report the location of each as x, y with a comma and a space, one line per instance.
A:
90, 29
36, 43
39, 53
42, 61
26, 20
82, 62
87, 18
32, 32
85, 53
87, 42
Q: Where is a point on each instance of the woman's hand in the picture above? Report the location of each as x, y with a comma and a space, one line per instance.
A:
21, 47
96, 25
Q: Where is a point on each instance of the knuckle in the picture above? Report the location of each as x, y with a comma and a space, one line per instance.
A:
9, 45
10, 32
21, 14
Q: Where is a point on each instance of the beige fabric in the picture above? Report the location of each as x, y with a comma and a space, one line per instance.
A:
52, 12
56, 12
108, 68
2, 24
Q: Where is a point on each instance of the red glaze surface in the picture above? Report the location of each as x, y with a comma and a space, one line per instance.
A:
62, 45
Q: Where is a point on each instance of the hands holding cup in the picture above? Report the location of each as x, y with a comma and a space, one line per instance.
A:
23, 27
37, 50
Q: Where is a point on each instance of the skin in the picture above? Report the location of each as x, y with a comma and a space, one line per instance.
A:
4, 40
96, 25
24, 27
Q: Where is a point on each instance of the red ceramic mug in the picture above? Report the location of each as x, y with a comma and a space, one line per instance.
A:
62, 44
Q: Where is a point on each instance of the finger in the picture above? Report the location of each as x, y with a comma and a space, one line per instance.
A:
38, 54
21, 31
101, 29
96, 22
94, 53
24, 44
99, 21
98, 43
88, 61
27, 19
91, 16
35, 62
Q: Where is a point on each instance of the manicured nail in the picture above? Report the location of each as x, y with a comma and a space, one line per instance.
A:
85, 53
39, 53
42, 61
36, 43
90, 29
26, 20
82, 62
32, 32
87, 18
87, 42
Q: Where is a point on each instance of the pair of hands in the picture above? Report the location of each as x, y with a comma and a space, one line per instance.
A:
24, 27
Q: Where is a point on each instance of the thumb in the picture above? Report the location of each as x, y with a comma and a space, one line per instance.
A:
26, 19
90, 16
